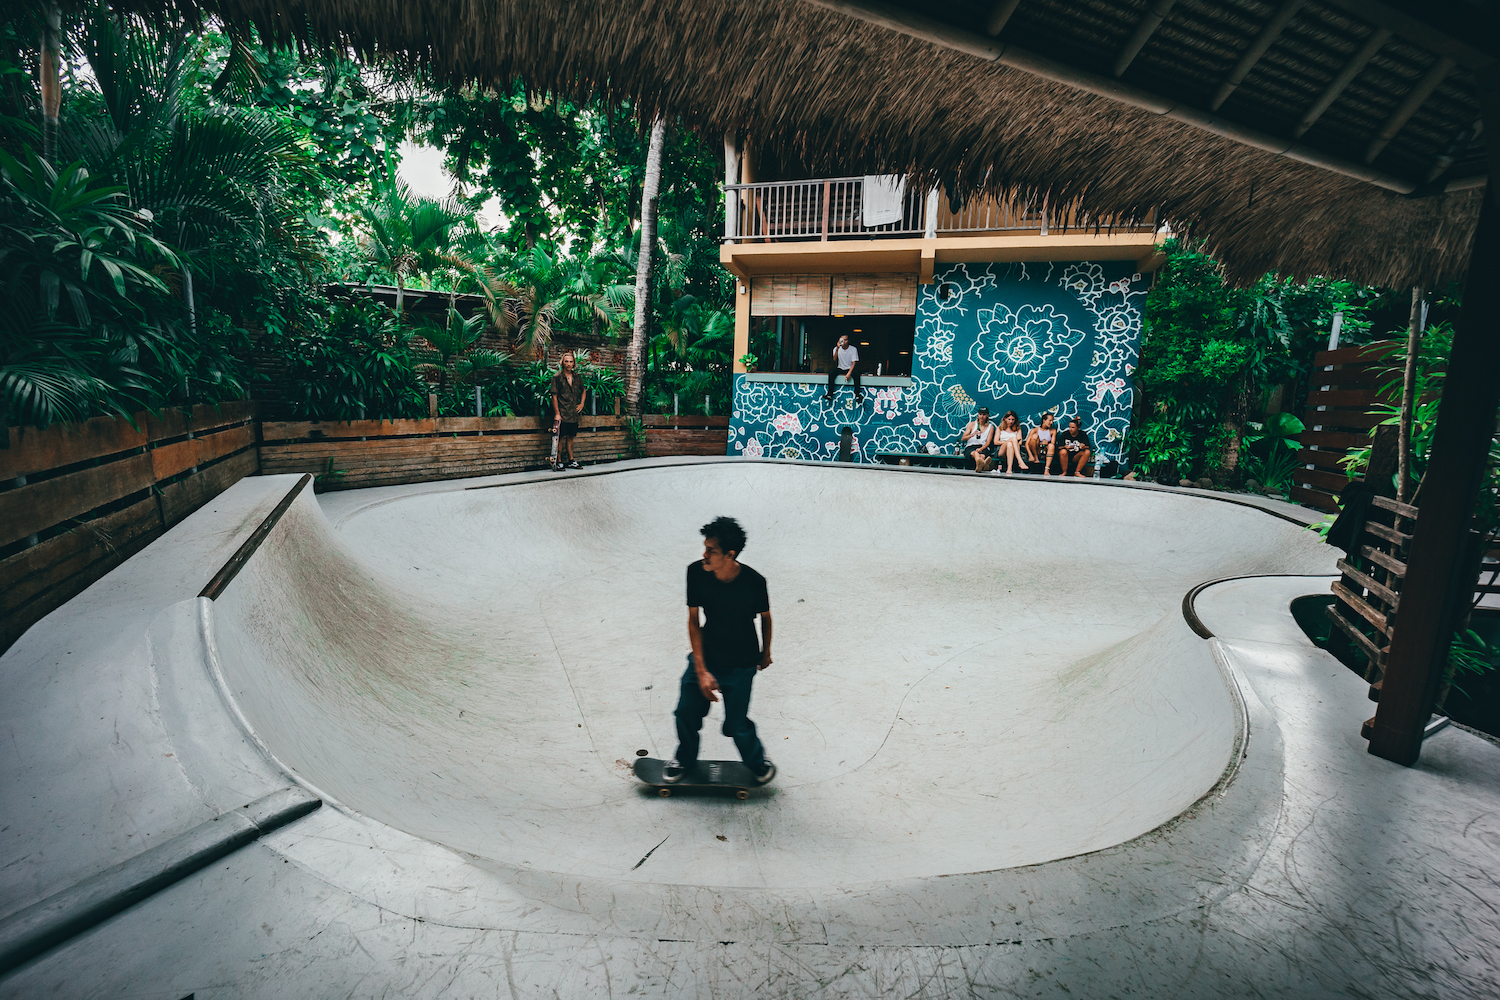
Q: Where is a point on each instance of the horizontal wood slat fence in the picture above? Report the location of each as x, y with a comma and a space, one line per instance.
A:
76, 500
1345, 387
352, 455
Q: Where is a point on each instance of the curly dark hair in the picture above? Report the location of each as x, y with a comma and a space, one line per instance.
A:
730, 536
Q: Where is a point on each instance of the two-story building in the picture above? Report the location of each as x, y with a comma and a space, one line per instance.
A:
953, 305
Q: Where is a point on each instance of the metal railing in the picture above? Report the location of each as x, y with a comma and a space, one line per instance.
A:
815, 209
833, 208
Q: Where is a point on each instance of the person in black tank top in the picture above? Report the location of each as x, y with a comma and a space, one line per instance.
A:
726, 653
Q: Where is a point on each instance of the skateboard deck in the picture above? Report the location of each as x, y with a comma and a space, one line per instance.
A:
730, 774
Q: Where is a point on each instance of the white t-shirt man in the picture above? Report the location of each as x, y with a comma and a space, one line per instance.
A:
847, 356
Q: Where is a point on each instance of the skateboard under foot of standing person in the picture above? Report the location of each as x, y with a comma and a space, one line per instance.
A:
730, 774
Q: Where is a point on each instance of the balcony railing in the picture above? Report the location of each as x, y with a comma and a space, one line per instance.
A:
834, 208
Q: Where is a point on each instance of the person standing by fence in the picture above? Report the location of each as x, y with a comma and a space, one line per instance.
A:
568, 397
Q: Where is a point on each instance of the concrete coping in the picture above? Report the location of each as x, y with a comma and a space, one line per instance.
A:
53, 920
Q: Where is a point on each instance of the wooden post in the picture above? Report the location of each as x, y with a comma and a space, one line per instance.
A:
1435, 584
827, 188
1408, 390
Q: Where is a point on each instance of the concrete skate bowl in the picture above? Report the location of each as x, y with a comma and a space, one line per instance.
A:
970, 674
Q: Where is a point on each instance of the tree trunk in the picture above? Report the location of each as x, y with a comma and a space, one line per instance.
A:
51, 85
635, 361
1408, 390
399, 291
187, 298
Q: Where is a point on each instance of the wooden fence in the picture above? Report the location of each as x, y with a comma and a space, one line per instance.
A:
387, 453
1345, 388
686, 435
76, 500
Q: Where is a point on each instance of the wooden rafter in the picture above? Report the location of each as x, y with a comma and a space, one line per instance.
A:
1149, 22
1346, 76
999, 15
1273, 27
1414, 100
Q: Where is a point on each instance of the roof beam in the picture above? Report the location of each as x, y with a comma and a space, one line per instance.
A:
1454, 28
1346, 76
972, 43
1414, 100
1150, 21
1257, 48
999, 15
1456, 148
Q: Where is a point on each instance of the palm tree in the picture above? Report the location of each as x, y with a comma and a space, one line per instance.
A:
409, 235
222, 185
455, 344
588, 298
635, 360
76, 269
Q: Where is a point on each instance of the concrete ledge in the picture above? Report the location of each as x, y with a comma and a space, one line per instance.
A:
44, 925
821, 378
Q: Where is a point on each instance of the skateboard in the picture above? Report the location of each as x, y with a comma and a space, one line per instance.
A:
707, 774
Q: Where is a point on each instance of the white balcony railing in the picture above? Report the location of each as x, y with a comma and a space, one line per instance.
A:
834, 208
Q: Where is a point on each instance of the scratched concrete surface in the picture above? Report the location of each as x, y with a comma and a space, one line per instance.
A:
1288, 864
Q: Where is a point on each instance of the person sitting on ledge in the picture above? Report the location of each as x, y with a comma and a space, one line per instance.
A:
845, 362
1041, 443
1076, 448
1009, 441
978, 440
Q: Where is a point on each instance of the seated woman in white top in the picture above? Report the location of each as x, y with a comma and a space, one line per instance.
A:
1008, 439
1041, 443
978, 437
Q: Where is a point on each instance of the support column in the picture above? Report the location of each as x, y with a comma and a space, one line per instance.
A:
1435, 579
731, 176
742, 292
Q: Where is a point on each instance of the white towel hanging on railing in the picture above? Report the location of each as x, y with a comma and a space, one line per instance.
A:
883, 199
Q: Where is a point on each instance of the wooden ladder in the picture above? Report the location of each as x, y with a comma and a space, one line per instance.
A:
1368, 591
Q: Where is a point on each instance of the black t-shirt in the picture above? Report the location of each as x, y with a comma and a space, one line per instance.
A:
1075, 441
729, 637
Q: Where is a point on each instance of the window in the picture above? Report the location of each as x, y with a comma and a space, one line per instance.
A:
805, 343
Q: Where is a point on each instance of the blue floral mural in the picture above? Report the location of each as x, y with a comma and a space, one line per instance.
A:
1061, 337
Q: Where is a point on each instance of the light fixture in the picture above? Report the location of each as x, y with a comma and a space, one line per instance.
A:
864, 343
838, 315
858, 330
903, 352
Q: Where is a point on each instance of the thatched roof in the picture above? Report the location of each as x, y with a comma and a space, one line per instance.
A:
862, 86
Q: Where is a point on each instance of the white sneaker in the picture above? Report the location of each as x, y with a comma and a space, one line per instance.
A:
767, 774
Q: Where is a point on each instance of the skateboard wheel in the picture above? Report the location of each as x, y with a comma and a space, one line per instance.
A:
742, 794
665, 793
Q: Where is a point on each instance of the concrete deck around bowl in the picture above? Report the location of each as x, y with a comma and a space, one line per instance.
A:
1216, 825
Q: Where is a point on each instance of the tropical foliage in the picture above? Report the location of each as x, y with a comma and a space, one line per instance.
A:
1211, 354
174, 244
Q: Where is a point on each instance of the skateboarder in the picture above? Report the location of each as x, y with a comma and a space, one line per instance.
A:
726, 653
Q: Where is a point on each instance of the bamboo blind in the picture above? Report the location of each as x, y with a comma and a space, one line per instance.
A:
872, 294
790, 295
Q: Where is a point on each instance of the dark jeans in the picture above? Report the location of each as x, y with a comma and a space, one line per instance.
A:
833, 384
692, 707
